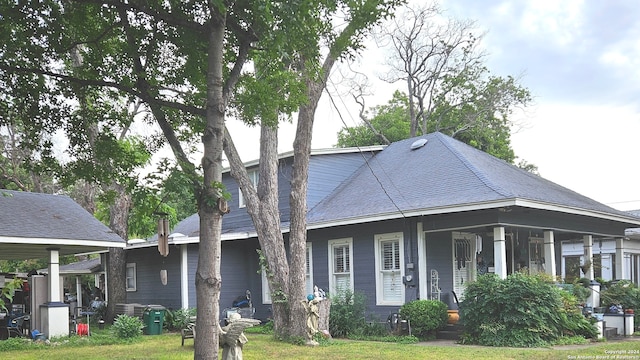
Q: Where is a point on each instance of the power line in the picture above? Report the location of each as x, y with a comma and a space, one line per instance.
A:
367, 160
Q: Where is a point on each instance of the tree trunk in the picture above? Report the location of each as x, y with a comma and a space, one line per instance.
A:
208, 279
298, 202
118, 222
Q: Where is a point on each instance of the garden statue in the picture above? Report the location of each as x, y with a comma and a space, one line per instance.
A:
232, 336
313, 313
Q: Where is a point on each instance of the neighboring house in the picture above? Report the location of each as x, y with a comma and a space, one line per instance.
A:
36, 226
415, 220
604, 257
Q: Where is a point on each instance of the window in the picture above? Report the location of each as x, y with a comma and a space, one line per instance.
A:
340, 260
254, 175
464, 267
131, 277
266, 292
389, 262
309, 269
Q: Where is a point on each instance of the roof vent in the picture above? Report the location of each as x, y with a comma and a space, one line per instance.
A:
418, 144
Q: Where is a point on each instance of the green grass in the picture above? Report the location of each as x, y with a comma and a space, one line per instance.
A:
260, 346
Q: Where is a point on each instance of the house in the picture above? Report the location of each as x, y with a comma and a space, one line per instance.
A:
35, 226
605, 262
417, 219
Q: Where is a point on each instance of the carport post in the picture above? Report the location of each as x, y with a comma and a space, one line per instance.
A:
54, 315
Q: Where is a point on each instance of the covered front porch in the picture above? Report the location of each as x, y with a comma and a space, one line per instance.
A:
509, 239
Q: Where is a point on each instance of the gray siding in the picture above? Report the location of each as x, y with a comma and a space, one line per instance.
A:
326, 172
440, 257
149, 289
239, 267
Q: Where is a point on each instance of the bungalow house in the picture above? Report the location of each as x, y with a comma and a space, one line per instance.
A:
417, 219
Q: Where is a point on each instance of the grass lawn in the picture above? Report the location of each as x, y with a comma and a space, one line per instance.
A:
167, 346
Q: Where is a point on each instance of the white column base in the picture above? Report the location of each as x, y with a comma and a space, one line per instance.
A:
54, 318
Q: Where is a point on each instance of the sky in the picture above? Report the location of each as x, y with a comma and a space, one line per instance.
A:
581, 62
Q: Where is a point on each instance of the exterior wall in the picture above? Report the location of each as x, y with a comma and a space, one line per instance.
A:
440, 258
149, 289
607, 249
363, 267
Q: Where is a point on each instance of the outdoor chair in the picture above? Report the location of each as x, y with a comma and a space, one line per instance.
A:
15, 327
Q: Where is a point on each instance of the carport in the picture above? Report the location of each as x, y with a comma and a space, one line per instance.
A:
36, 226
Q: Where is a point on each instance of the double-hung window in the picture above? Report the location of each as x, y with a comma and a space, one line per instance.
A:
340, 262
131, 277
254, 176
389, 262
266, 291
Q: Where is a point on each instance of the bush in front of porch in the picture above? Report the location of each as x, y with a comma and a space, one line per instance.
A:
521, 311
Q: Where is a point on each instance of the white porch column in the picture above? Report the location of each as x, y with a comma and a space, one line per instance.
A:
500, 252
184, 276
620, 270
54, 314
550, 253
588, 255
423, 286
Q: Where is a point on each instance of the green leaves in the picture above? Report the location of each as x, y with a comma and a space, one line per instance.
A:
520, 310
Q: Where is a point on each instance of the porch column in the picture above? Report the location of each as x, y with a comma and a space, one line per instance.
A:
184, 276
620, 268
54, 314
500, 252
549, 253
588, 255
423, 286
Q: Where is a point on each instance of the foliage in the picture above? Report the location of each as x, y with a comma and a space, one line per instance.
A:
175, 320
347, 315
266, 328
622, 292
521, 310
426, 316
8, 291
127, 327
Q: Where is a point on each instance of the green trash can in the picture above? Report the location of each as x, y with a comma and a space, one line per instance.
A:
153, 318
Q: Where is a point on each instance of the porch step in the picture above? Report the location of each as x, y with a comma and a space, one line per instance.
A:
450, 332
610, 333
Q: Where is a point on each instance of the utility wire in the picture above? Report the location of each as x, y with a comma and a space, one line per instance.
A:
364, 157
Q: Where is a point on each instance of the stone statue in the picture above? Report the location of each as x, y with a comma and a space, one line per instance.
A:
232, 336
313, 313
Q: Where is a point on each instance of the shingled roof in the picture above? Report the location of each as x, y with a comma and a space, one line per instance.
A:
32, 222
444, 175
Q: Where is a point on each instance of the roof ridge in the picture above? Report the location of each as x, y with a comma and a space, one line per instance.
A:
446, 141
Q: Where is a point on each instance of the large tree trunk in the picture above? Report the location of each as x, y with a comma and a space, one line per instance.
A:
118, 222
208, 278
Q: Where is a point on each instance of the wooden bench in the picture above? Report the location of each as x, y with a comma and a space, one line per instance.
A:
189, 332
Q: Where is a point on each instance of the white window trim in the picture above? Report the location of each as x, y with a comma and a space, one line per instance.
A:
379, 238
254, 175
131, 266
331, 244
266, 293
309, 275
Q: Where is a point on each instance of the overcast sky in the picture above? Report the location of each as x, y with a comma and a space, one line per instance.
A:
581, 62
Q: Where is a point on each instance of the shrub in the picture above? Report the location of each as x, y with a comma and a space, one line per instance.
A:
521, 310
426, 316
127, 327
175, 320
625, 293
347, 315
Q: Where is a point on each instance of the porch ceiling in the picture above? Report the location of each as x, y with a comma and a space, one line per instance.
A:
25, 251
